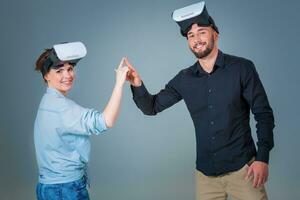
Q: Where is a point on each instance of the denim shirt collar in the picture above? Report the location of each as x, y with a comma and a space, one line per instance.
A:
54, 92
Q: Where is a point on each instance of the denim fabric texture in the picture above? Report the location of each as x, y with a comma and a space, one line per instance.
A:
75, 190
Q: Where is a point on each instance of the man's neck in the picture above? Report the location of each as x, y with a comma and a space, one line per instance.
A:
208, 62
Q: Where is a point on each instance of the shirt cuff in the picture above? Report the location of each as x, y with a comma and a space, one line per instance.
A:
138, 91
262, 155
102, 122
100, 125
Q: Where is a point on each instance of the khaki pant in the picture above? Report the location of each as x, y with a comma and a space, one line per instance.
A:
232, 184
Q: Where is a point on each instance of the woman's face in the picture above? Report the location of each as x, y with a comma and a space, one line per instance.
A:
61, 79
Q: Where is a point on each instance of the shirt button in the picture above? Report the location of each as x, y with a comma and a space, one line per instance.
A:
212, 122
210, 106
215, 154
209, 90
213, 137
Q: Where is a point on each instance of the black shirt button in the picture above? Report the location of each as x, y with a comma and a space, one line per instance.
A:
212, 122
209, 90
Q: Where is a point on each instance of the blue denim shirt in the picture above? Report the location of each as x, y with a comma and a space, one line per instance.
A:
62, 132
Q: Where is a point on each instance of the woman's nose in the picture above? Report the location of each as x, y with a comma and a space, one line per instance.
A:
67, 74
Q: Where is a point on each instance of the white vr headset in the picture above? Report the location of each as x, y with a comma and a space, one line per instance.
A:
188, 12
70, 52
195, 13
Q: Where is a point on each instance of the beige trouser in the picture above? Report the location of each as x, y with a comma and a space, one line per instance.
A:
232, 184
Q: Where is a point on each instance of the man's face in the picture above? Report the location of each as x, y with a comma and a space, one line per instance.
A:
201, 40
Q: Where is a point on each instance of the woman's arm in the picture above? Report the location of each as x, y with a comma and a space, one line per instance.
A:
112, 108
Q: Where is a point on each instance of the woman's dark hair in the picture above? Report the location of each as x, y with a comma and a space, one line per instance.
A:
39, 64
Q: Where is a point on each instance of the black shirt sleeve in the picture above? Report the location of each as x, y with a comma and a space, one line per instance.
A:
255, 95
152, 104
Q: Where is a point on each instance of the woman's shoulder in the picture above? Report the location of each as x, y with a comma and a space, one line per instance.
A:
55, 103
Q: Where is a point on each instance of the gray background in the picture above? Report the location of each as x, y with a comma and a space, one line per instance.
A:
142, 157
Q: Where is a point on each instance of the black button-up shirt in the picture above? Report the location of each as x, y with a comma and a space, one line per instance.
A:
219, 104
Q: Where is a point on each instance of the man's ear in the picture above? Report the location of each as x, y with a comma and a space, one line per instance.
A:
216, 35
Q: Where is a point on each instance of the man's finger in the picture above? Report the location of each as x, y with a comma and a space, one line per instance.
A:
128, 63
264, 179
260, 181
249, 173
130, 67
129, 77
255, 180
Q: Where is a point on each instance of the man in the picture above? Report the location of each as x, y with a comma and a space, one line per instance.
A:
219, 90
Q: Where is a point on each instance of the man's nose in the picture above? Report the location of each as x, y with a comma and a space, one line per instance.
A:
197, 39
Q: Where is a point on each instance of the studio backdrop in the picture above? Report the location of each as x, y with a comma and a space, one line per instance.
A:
142, 157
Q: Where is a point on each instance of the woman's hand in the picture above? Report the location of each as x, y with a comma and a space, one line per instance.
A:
121, 73
112, 108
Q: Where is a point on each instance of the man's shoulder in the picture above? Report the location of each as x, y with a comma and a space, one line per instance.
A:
188, 70
237, 62
177, 79
229, 58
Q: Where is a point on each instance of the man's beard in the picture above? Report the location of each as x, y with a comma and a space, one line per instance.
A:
206, 51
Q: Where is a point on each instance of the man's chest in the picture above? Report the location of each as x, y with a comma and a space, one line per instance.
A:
219, 90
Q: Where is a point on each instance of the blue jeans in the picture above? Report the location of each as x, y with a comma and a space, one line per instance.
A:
75, 190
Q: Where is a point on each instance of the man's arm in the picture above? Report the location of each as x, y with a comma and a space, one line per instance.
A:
152, 104
256, 97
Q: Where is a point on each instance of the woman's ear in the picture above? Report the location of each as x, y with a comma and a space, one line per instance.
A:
46, 77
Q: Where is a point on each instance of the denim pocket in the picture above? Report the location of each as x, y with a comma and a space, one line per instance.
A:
80, 187
79, 184
51, 191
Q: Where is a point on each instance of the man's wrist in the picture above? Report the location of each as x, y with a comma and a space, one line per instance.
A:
138, 91
262, 155
138, 84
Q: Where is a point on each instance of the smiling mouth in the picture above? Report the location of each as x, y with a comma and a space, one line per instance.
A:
67, 82
199, 46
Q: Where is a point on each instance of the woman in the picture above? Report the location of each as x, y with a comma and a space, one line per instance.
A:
62, 129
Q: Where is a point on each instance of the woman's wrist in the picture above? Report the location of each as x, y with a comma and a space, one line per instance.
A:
119, 85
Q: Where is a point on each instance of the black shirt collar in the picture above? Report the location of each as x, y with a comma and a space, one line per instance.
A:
219, 63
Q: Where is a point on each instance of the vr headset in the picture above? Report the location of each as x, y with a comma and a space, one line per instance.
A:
70, 52
193, 14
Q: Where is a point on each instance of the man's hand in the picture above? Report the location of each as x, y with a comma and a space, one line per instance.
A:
259, 171
133, 77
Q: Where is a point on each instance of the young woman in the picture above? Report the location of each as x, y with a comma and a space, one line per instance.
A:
62, 130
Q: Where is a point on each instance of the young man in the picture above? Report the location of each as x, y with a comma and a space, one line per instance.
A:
219, 90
